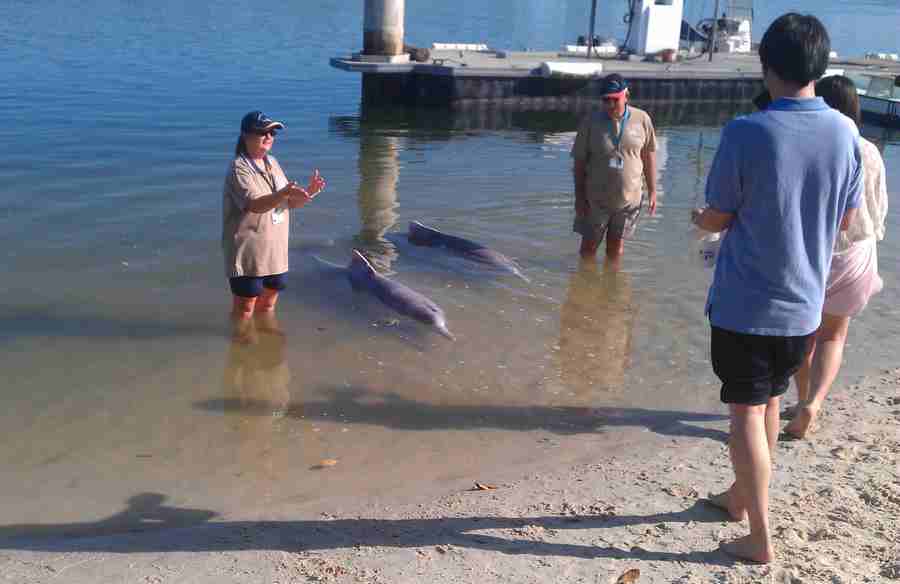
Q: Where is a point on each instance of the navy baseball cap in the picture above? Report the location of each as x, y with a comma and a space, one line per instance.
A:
613, 85
259, 122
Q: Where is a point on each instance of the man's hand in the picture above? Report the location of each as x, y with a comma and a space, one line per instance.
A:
712, 220
651, 202
582, 207
579, 172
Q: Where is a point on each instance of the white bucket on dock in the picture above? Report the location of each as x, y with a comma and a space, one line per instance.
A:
602, 50
474, 47
566, 69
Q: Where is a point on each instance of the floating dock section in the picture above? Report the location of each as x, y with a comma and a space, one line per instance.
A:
455, 75
529, 80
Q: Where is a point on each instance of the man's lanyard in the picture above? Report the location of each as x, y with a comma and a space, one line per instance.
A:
267, 175
617, 140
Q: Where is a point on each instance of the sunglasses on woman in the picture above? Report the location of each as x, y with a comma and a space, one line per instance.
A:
271, 133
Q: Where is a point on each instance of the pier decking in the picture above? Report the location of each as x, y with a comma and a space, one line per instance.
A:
460, 78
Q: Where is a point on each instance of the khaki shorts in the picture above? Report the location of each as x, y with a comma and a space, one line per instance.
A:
619, 224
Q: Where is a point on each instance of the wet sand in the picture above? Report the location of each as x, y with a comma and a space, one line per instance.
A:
835, 509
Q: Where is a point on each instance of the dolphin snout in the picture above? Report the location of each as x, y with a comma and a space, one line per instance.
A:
445, 332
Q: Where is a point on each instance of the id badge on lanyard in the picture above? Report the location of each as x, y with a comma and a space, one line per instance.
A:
617, 161
278, 215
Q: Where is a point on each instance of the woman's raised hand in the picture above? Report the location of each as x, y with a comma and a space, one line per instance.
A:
316, 184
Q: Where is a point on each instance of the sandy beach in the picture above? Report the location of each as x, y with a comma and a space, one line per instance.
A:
835, 510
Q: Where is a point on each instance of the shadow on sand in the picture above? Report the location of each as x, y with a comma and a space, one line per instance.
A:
146, 526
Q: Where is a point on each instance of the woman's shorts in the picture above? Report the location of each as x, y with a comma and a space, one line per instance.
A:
755, 368
252, 286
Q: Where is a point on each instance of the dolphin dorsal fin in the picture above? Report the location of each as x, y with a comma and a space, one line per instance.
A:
358, 259
419, 225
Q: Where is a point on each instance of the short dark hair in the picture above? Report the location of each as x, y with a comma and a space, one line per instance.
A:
796, 47
839, 92
763, 100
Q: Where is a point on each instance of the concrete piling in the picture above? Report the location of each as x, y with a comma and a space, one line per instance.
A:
383, 28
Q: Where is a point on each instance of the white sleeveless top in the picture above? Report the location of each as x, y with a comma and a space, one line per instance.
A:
870, 216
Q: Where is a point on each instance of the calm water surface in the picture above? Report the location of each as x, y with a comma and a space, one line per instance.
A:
119, 377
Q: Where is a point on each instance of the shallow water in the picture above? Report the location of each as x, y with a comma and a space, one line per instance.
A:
120, 377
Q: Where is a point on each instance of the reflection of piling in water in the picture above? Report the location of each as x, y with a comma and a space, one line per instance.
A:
379, 171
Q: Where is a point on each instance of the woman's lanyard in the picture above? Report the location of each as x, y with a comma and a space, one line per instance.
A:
267, 175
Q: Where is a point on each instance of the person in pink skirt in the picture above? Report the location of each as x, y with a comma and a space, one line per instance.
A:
853, 278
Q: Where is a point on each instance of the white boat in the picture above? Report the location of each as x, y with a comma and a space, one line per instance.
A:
879, 97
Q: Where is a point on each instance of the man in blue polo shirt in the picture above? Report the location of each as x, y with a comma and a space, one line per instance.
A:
783, 182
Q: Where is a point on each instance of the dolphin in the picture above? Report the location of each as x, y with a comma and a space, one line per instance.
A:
395, 295
420, 234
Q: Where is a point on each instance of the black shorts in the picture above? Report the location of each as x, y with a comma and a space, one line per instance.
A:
755, 368
252, 286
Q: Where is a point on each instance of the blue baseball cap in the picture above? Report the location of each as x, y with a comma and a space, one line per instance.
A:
256, 121
613, 85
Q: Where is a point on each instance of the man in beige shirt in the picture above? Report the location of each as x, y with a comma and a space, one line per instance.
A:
614, 152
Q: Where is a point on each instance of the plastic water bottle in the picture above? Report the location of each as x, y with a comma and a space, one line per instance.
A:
707, 248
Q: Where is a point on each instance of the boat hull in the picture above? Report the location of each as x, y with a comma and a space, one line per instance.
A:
884, 112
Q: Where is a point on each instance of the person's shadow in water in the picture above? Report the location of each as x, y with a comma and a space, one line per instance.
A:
145, 527
611, 319
359, 406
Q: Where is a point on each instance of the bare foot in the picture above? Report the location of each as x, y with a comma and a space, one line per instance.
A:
726, 502
748, 550
803, 422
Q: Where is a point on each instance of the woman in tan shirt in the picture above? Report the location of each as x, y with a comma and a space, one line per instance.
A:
853, 278
256, 204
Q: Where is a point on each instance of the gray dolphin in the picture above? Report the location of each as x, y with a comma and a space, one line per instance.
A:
420, 234
395, 295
